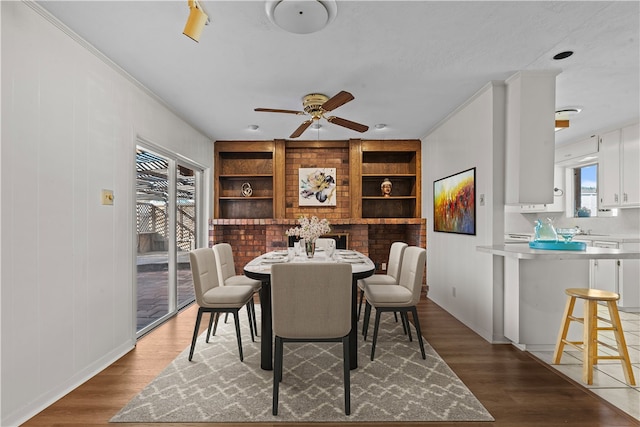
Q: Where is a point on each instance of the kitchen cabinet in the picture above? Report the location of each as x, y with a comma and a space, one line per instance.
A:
558, 204
618, 275
619, 168
577, 152
530, 137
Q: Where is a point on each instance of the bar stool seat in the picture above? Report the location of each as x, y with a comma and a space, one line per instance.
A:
589, 344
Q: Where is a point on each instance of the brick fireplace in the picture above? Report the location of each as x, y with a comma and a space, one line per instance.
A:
373, 237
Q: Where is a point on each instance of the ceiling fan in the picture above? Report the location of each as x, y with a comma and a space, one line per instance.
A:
316, 105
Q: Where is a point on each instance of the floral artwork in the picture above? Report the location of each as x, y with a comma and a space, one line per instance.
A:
317, 187
310, 229
454, 204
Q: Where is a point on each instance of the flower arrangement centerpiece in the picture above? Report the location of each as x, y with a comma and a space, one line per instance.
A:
310, 230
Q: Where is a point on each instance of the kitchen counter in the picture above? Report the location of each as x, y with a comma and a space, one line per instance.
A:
533, 289
523, 251
618, 238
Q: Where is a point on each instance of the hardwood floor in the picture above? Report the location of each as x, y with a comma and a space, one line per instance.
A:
514, 387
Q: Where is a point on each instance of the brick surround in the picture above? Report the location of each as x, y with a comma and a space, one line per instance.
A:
373, 237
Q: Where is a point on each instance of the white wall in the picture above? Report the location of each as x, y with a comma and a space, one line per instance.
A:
472, 136
69, 127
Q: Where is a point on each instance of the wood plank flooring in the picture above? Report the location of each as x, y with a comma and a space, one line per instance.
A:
515, 388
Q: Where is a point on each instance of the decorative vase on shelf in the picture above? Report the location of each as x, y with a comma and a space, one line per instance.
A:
310, 247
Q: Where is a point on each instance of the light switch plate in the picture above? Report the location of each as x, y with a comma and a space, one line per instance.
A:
107, 197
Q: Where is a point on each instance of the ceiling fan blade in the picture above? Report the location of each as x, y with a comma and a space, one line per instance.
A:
275, 110
340, 99
301, 128
348, 124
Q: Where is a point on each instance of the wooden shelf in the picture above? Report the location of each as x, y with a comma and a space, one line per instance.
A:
400, 207
236, 163
263, 165
245, 207
400, 163
248, 199
387, 198
388, 175
245, 176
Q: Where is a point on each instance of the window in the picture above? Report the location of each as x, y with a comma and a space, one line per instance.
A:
585, 195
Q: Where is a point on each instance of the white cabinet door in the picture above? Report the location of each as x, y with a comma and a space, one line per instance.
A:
609, 170
605, 274
530, 137
630, 184
629, 281
619, 168
558, 196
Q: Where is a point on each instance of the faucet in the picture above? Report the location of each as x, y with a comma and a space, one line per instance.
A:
582, 232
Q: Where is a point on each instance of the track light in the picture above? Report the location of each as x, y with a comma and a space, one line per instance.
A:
196, 21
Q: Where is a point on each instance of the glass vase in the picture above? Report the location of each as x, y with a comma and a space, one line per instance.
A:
310, 248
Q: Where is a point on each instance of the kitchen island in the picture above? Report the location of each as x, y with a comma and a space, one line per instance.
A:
534, 284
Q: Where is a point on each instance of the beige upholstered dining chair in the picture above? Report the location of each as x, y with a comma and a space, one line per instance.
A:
402, 298
327, 244
228, 277
393, 271
323, 242
311, 302
213, 298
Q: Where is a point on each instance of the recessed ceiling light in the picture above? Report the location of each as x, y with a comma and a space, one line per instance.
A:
567, 112
563, 55
380, 126
253, 127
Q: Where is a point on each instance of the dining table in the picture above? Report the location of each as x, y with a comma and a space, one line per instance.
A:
259, 268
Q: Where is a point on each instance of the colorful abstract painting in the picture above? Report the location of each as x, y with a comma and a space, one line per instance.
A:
454, 203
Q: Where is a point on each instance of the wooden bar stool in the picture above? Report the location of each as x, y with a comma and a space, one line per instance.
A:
589, 344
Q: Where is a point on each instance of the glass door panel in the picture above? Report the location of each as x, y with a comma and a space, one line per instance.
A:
152, 256
186, 219
167, 221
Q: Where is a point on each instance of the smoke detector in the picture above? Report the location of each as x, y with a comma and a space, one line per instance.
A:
301, 16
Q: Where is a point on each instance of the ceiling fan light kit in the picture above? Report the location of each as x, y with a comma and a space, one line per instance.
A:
316, 105
301, 16
196, 21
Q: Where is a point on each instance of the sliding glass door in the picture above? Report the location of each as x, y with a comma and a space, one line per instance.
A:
167, 221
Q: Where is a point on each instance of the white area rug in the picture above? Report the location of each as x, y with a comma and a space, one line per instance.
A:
216, 387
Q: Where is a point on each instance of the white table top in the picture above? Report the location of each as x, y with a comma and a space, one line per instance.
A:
523, 251
360, 263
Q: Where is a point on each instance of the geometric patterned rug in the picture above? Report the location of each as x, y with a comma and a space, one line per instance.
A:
216, 387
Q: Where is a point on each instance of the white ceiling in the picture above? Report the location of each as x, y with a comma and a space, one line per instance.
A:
408, 64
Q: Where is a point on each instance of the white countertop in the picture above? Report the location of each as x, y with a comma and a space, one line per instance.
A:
618, 238
523, 251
